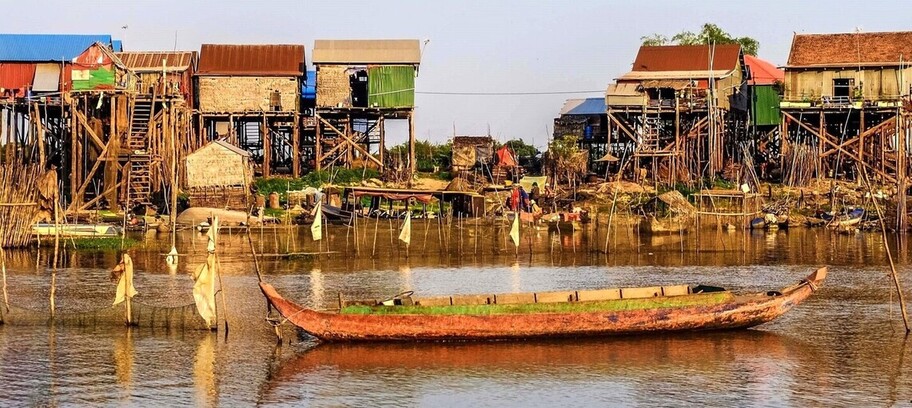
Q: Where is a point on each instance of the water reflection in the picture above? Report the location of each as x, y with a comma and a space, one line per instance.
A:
744, 362
204, 371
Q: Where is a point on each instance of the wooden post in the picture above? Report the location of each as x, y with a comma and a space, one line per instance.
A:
318, 144
901, 173
674, 157
861, 139
382, 150
74, 185
821, 133
267, 147
296, 147
411, 119
349, 151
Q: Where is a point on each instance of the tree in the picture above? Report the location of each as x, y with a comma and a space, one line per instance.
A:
522, 150
709, 34
427, 154
654, 40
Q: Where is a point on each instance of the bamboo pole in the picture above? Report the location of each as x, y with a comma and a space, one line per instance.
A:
883, 231
3, 268
376, 226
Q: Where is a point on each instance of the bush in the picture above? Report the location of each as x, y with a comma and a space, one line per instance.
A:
341, 176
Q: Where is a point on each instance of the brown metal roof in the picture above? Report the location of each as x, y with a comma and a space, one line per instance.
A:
367, 52
251, 60
686, 58
850, 49
141, 61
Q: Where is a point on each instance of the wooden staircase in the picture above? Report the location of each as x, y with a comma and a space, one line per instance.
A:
650, 143
139, 186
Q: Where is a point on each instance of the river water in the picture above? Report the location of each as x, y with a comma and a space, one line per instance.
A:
842, 347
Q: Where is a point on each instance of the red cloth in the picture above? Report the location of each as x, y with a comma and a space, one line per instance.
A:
505, 157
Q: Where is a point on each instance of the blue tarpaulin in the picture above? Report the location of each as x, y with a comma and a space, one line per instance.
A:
309, 86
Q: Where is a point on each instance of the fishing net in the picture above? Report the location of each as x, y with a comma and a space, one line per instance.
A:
183, 317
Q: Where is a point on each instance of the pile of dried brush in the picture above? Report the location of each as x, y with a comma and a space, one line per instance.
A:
19, 199
564, 163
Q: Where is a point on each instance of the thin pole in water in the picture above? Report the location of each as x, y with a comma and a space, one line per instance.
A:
883, 231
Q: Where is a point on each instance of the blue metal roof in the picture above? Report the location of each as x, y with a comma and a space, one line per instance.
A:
46, 47
117, 46
588, 106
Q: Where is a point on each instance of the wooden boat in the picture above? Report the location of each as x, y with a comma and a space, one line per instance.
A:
845, 220
654, 225
78, 230
584, 313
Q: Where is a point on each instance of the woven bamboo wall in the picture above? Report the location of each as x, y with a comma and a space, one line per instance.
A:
333, 87
216, 166
246, 94
231, 198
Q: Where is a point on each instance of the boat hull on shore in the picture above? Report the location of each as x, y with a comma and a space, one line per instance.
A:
739, 312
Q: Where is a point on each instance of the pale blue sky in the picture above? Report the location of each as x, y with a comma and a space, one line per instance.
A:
475, 46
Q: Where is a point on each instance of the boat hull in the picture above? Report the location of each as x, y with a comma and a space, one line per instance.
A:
741, 312
77, 230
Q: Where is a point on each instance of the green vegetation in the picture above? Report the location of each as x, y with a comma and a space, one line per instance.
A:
339, 176
523, 150
98, 243
440, 175
569, 307
427, 155
709, 34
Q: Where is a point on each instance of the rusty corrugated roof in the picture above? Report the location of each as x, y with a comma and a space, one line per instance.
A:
686, 58
252, 60
850, 49
141, 61
367, 52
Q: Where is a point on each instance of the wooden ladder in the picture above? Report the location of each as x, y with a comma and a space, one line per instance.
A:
139, 190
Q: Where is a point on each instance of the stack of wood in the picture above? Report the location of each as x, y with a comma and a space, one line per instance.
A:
333, 87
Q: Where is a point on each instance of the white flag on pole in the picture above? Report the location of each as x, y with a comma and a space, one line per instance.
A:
406, 234
514, 231
316, 230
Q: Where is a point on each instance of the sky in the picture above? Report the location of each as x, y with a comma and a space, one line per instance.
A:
471, 46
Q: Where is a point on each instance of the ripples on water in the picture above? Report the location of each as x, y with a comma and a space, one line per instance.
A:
842, 347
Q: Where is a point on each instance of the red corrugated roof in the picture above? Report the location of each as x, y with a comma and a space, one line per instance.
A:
251, 60
763, 72
686, 58
847, 49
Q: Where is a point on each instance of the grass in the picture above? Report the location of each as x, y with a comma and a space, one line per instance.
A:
96, 244
575, 307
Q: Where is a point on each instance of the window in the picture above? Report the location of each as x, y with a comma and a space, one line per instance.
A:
842, 87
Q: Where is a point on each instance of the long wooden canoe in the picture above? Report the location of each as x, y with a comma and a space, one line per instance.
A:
549, 315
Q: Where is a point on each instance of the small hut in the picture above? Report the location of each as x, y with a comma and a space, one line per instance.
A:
218, 175
471, 150
163, 73
99, 68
